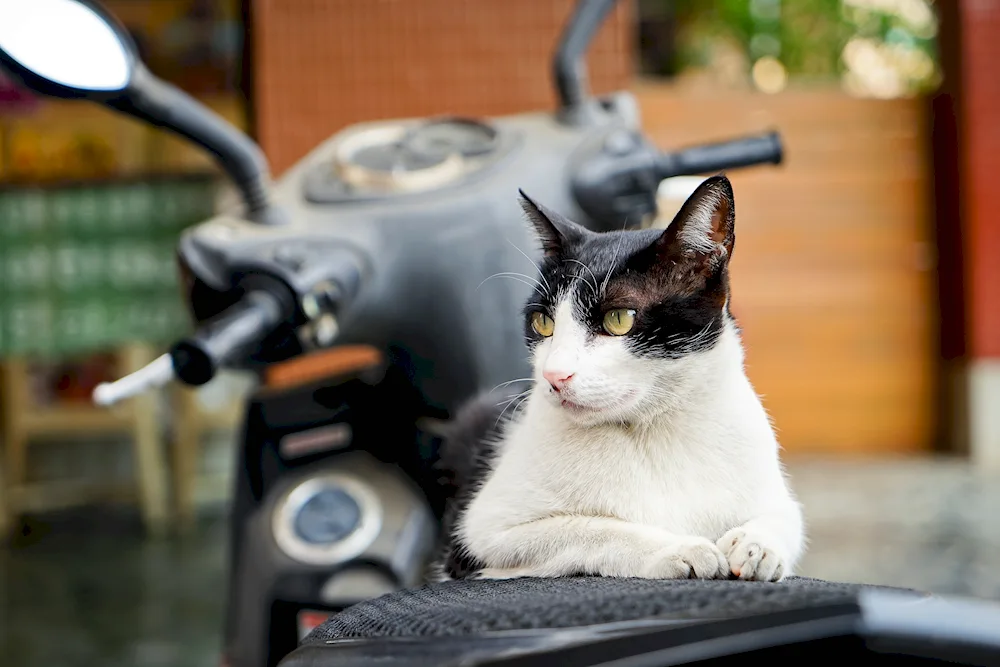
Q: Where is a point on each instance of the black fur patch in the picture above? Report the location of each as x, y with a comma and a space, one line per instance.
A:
679, 291
466, 454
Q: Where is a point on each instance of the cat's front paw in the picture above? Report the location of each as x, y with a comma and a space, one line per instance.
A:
505, 573
693, 558
751, 557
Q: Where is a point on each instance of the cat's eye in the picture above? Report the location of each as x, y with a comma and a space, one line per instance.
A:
542, 324
619, 321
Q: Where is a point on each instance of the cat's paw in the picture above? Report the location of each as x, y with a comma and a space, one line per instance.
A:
504, 573
692, 558
751, 556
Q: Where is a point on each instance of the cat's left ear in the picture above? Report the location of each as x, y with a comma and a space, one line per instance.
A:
703, 231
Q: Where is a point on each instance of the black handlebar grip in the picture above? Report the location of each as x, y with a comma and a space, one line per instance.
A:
243, 325
764, 149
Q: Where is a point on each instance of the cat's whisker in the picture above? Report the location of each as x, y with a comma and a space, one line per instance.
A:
520, 404
504, 384
592, 287
684, 343
519, 277
525, 276
517, 395
513, 398
522, 396
698, 340
614, 258
584, 281
533, 263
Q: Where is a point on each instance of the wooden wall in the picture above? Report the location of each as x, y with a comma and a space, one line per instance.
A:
321, 65
833, 267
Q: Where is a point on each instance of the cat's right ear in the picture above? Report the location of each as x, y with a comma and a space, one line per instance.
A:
554, 231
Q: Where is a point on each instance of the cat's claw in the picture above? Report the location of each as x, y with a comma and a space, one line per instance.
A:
694, 559
751, 557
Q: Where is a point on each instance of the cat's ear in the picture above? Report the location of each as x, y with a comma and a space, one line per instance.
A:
554, 231
702, 234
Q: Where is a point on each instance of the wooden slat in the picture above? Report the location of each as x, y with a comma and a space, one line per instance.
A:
61, 494
72, 420
832, 268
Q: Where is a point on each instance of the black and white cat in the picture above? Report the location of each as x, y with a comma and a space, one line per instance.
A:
641, 449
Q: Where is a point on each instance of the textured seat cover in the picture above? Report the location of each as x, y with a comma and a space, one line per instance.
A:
471, 607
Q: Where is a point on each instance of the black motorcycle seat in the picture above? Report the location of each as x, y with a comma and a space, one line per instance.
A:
589, 621
469, 607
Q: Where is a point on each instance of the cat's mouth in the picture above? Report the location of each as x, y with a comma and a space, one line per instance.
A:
570, 405
575, 406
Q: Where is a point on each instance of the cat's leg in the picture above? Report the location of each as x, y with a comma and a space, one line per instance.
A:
567, 545
767, 547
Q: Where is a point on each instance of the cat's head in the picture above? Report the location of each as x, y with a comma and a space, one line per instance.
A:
619, 318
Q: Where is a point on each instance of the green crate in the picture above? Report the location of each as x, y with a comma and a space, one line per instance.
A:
81, 325
79, 267
23, 215
84, 268
26, 268
29, 327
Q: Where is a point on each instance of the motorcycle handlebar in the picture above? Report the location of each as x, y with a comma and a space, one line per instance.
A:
244, 325
196, 359
231, 337
764, 149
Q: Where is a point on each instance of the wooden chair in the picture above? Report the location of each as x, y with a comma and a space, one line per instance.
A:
24, 423
191, 422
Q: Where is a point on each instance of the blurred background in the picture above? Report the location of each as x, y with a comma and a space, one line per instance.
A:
865, 280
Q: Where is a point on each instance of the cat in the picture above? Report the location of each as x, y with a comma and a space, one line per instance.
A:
641, 449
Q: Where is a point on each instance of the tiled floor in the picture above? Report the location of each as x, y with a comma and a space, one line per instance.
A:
933, 526
89, 592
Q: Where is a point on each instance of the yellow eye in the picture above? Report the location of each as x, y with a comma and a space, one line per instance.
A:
542, 324
619, 321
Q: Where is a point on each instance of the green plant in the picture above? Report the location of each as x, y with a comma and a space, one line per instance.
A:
875, 47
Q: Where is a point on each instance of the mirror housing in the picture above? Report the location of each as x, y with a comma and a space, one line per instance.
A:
103, 58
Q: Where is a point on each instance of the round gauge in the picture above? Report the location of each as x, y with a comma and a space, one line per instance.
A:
396, 157
327, 517
382, 158
443, 137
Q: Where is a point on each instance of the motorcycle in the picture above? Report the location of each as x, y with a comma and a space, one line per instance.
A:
359, 289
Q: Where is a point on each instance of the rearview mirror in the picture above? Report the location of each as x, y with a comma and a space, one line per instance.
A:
65, 48
75, 49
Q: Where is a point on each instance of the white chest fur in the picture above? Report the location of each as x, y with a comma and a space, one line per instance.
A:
693, 479
702, 468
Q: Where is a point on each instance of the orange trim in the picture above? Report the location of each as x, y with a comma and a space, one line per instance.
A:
319, 365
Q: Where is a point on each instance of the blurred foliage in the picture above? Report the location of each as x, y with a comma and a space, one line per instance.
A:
883, 48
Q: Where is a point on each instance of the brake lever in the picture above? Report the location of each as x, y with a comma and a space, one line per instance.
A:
155, 374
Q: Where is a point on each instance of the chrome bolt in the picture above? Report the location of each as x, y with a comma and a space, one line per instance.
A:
325, 330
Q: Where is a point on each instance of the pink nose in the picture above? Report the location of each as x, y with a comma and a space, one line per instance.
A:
558, 379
